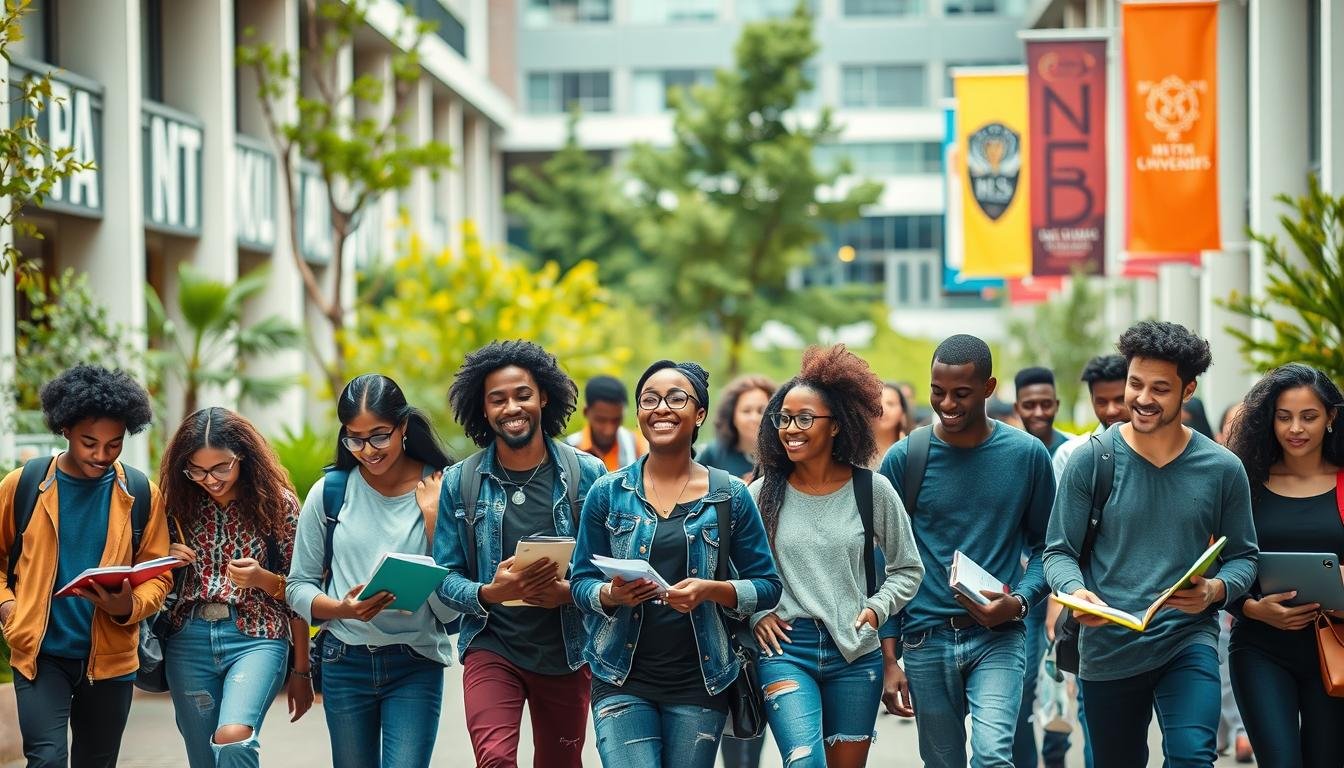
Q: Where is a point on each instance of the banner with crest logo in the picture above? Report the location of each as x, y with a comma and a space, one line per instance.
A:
996, 196
1171, 120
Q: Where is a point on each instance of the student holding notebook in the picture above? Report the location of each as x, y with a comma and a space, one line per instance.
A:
1174, 492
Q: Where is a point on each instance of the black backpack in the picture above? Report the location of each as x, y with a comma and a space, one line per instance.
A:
1067, 628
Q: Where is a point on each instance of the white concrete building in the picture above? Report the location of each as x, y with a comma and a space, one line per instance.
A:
186, 170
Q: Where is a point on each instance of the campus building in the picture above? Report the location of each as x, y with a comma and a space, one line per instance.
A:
1280, 117
883, 67
186, 170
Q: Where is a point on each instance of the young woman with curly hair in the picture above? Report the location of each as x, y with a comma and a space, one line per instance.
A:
234, 512
1290, 438
736, 422
821, 668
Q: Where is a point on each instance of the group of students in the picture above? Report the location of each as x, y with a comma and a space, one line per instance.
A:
807, 521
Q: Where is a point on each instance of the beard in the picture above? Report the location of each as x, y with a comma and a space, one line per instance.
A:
518, 441
1163, 419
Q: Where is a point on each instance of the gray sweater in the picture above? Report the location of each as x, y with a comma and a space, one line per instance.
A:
819, 552
370, 524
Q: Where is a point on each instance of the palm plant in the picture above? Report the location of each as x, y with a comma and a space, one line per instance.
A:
212, 345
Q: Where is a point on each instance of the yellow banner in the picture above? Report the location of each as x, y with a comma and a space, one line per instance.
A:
996, 198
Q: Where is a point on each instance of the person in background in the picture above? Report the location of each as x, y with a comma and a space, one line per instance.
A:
1231, 729
893, 424
1194, 417
1003, 413
1290, 438
1037, 404
736, 422
75, 658
1229, 422
603, 436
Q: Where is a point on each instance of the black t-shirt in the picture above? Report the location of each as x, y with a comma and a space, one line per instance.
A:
666, 666
727, 458
530, 638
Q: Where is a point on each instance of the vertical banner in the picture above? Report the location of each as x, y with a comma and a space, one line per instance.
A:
1066, 104
1171, 120
992, 137
1033, 289
954, 251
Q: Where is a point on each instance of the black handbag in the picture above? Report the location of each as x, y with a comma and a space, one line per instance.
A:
746, 701
1067, 628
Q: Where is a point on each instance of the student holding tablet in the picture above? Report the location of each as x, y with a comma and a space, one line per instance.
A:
1289, 438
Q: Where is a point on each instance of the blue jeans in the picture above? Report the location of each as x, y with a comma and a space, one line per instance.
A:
633, 731
217, 676
955, 672
1053, 745
1186, 692
814, 698
382, 704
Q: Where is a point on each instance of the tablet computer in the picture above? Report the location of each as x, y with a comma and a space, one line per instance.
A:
1315, 576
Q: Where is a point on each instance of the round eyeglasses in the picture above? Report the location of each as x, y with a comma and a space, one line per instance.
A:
676, 399
220, 472
802, 420
377, 442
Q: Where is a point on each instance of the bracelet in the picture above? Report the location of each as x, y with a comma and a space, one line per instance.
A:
1022, 612
279, 593
305, 675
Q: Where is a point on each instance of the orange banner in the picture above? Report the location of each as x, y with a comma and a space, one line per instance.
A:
1170, 54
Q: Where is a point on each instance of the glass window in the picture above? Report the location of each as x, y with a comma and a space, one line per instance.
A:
811, 98
884, 7
755, 10
544, 13
1314, 148
151, 50
882, 159
551, 92
665, 11
903, 282
888, 85
925, 282
38, 43
984, 7
650, 87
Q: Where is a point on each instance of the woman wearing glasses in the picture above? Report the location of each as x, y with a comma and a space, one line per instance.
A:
382, 671
232, 512
661, 661
821, 663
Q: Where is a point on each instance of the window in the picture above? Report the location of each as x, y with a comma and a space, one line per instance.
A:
674, 11
984, 7
1314, 149
39, 34
811, 98
544, 13
884, 7
903, 282
151, 50
755, 10
446, 25
925, 282
650, 87
883, 159
893, 85
552, 92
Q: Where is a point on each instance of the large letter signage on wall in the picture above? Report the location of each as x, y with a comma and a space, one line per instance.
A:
172, 145
71, 119
254, 176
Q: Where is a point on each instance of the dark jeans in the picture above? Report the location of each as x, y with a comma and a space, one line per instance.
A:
1276, 679
742, 753
1186, 693
62, 697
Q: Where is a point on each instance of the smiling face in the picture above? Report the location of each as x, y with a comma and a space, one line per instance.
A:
1300, 419
95, 443
663, 426
747, 415
375, 429
1154, 394
513, 404
818, 439
958, 396
1037, 405
210, 464
1108, 402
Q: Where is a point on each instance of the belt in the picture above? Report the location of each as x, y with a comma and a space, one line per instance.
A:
211, 611
961, 621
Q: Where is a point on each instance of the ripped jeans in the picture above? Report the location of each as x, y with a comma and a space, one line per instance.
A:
633, 731
813, 697
217, 676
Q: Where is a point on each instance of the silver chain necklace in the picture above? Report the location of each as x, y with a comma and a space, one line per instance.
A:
519, 498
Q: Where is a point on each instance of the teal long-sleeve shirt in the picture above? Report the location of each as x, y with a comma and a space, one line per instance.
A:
1157, 522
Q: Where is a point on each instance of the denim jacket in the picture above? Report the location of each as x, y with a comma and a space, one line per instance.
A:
618, 521
458, 590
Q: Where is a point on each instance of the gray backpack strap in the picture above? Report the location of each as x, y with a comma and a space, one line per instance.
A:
471, 491
569, 458
916, 459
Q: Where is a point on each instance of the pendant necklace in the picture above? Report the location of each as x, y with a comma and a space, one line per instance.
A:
519, 498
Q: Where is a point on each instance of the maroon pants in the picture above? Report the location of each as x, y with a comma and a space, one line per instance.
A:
493, 690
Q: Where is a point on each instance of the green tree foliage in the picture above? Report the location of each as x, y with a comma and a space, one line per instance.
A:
735, 203
29, 167
574, 211
1303, 302
304, 453
360, 150
434, 308
212, 345
1062, 334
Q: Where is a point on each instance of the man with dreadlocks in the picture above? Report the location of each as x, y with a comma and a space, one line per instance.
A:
513, 400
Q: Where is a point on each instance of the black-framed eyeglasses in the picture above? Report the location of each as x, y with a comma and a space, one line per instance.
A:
676, 399
220, 472
803, 420
377, 442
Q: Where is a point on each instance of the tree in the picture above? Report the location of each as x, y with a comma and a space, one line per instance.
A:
212, 345
359, 156
574, 210
29, 166
734, 205
1303, 303
1063, 334
438, 307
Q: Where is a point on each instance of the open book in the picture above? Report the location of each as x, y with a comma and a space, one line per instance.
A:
112, 576
557, 549
967, 577
630, 570
1201, 567
410, 578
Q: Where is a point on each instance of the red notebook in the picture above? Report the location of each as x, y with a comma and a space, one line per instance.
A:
112, 576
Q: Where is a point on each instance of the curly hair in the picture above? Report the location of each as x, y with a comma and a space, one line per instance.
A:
467, 394
851, 391
725, 431
1253, 439
1104, 368
264, 491
383, 397
90, 391
1170, 342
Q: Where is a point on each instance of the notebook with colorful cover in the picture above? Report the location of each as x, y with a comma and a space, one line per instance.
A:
410, 578
111, 576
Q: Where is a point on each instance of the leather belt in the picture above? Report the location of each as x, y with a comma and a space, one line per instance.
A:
961, 621
211, 611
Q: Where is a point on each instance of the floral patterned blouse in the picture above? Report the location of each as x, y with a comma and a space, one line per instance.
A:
219, 535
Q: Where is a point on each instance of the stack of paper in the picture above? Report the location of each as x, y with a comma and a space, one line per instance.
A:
557, 549
630, 570
967, 577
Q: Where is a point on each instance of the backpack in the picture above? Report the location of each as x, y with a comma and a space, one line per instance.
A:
1067, 628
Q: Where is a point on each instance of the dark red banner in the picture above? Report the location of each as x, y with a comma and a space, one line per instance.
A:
1066, 100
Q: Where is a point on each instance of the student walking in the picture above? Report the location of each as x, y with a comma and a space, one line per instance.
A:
1290, 438
604, 436
985, 490
75, 658
1036, 403
382, 671
662, 663
824, 511
226, 658
737, 421
513, 400
1174, 492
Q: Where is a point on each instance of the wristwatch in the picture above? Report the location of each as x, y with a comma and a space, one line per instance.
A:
305, 675
1021, 614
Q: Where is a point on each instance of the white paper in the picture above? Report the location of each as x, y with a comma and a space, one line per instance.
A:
630, 570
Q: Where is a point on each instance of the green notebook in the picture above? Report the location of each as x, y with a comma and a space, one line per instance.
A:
412, 578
